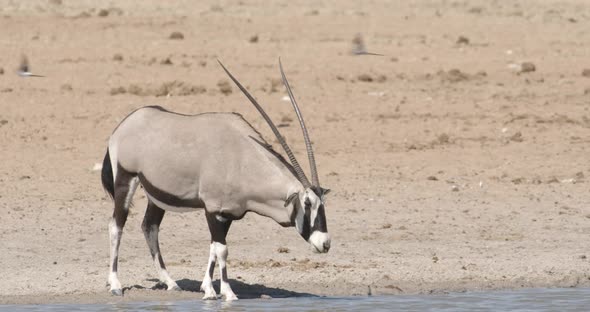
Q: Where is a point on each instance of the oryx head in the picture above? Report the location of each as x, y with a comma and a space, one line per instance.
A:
308, 206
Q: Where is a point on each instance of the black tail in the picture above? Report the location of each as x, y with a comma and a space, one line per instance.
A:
108, 182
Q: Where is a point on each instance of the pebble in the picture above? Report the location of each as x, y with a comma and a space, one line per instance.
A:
176, 35
224, 87
462, 40
527, 67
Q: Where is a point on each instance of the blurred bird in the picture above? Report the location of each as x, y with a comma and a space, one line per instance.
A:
358, 46
24, 69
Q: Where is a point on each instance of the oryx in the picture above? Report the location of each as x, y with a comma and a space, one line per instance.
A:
215, 161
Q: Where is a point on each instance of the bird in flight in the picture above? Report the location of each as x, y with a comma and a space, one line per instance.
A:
358, 46
24, 68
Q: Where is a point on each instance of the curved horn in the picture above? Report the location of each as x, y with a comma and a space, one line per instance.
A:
314, 172
300, 174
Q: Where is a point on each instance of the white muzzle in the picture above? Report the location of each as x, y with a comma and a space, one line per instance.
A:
320, 241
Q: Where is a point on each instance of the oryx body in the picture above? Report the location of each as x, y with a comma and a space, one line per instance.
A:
214, 161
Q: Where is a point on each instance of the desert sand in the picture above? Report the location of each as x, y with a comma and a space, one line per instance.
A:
458, 160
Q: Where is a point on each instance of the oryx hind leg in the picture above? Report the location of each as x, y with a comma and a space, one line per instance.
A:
125, 186
151, 228
218, 226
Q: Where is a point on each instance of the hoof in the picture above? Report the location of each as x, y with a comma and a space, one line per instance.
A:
175, 288
117, 292
210, 297
230, 297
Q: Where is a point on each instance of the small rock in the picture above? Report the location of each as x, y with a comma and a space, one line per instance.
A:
275, 85
118, 90
1, 71
118, 57
135, 90
517, 137
66, 87
527, 67
583, 257
518, 181
54, 262
365, 78
166, 61
103, 13
552, 180
224, 87
586, 72
462, 40
454, 75
263, 296
432, 178
386, 226
216, 8
3, 122
455, 188
283, 250
253, 39
443, 138
176, 35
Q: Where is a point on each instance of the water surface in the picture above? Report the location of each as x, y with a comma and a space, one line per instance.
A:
554, 299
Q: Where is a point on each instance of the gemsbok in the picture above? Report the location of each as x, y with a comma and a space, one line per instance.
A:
215, 161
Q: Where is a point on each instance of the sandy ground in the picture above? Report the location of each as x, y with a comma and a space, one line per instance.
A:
452, 168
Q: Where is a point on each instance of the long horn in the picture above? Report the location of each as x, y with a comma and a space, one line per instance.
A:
314, 172
300, 174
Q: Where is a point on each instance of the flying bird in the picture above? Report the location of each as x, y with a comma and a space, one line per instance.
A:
24, 68
358, 46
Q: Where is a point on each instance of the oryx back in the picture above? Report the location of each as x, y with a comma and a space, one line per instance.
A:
212, 160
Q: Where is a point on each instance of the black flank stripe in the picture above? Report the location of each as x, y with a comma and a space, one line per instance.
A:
168, 198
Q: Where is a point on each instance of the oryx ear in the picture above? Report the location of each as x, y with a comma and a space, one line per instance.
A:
326, 191
291, 198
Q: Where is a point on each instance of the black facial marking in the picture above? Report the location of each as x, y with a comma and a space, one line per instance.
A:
320, 220
306, 220
168, 198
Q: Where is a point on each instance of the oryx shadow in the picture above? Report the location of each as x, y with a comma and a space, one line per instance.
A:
244, 290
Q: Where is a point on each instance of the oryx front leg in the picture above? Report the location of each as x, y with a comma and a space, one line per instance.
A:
207, 284
125, 186
218, 226
151, 228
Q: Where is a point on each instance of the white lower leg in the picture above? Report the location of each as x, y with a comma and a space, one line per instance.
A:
164, 276
115, 239
207, 284
225, 288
